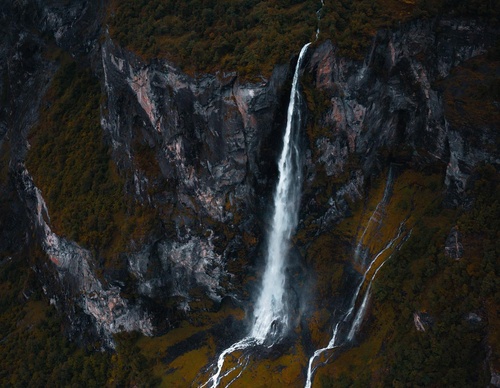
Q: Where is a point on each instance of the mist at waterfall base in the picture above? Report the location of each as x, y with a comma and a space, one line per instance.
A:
271, 314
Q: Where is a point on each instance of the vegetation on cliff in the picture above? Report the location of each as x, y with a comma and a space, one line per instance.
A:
71, 164
391, 352
251, 37
36, 352
471, 94
454, 297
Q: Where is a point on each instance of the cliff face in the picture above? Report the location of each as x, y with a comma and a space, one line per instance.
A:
211, 143
389, 107
204, 136
206, 139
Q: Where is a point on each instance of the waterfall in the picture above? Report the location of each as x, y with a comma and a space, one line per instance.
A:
376, 215
270, 315
361, 311
318, 16
352, 324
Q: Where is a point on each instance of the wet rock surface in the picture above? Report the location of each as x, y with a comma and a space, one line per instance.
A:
453, 246
214, 140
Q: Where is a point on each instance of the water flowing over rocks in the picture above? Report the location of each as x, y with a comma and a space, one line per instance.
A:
209, 136
453, 246
418, 322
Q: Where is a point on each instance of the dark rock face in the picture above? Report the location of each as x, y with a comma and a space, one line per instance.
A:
212, 139
110, 313
206, 135
389, 102
206, 132
68, 279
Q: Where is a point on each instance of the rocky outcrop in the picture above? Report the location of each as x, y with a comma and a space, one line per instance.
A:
110, 312
337, 206
206, 136
212, 140
206, 132
184, 264
495, 379
388, 102
70, 281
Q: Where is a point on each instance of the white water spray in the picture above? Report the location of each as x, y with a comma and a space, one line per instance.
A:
271, 317
270, 314
331, 345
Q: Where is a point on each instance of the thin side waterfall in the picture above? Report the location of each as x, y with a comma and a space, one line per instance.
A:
362, 308
376, 215
356, 323
318, 15
346, 321
271, 314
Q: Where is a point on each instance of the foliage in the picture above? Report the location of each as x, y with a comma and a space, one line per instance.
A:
130, 366
248, 36
71, 164
35, 352
421, 278
251, 36
470, 95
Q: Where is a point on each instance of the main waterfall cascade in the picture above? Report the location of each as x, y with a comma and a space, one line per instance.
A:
271, 316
